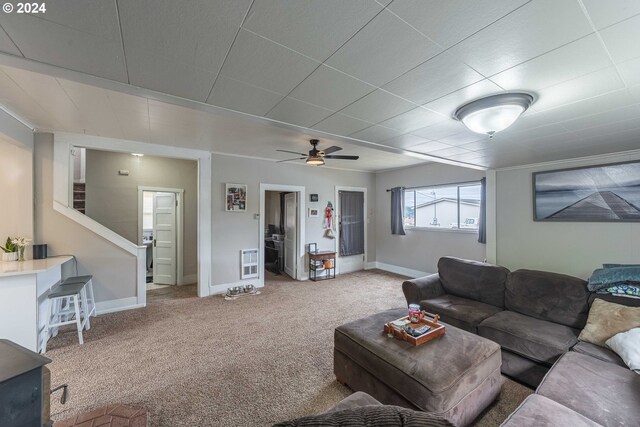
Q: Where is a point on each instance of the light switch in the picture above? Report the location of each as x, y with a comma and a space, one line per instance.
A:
123, 172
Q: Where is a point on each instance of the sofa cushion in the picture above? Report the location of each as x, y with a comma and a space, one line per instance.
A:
538, 410
548, 296
627, 346
460, 312
370, 416
536, 339
607, 319
472, 279
603, 392
598, 352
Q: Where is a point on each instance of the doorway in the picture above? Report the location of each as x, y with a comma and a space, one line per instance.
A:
351, 217
160, 229
281, 232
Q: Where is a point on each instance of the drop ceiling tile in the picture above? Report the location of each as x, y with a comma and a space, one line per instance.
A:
584, 87
440, 130
413, 119
468, 157
521, 136
339, 124
605, 118
535, 28
377, 106
435, 78
634, 92
610, 128
630, 71
299, 113
622, 39
99, 18
383, 50
404, 141
573, 60
450, 22
331, 89
235, 95
479, 145
375, 134
172, 77
6, 45
430, 147
464, 137
602, 103
447, 152
448, 104
313, 28
262, 63
65, 47
605, 13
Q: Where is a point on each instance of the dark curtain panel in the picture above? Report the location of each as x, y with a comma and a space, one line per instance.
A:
397, 211
351, 223
482, 221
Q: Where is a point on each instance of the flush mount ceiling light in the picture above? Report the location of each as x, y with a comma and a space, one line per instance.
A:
493, 113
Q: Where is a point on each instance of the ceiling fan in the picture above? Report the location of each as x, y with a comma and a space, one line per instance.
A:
316, 157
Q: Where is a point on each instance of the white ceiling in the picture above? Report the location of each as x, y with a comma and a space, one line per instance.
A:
384, 72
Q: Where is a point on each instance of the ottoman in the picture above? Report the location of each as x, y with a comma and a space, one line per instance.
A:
456, 376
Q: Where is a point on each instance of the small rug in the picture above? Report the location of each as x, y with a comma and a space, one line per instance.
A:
108, 416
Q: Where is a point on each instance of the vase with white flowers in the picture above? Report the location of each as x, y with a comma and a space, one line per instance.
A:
21, 243
9, 250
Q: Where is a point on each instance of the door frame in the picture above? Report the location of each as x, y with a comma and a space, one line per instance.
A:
363, 190
301, 226
179, 228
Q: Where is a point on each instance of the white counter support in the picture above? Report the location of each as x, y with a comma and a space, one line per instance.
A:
23, 289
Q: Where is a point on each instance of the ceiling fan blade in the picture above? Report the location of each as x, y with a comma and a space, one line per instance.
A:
292, 152
342, 157
288, 160
332, 149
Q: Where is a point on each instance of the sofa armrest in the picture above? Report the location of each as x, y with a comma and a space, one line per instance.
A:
416, 290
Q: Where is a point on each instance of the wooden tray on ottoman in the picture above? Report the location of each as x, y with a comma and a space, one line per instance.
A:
437, 329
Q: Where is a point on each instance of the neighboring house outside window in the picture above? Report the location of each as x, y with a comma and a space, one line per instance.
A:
447, 206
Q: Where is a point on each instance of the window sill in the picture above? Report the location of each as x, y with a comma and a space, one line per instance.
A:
442, 230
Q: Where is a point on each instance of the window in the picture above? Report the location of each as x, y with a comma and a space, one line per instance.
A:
455, 206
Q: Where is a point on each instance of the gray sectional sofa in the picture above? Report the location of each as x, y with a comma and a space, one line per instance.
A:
536, 323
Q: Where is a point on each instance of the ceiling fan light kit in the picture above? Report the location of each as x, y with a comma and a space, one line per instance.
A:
317, 157
493, 113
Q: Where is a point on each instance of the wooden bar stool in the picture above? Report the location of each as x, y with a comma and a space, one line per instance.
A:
88, 299
58, 314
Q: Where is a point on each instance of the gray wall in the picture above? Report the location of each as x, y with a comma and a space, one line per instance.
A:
421, 249
16, 191
113, 269
234, 231
272, 208
575, 248
112, 199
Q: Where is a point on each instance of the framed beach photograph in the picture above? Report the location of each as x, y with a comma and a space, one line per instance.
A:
236, 197
604, 193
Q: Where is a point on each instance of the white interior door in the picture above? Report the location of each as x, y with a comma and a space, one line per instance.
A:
290, 234
164, 238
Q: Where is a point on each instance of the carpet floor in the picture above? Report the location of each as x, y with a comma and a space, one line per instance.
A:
209, 362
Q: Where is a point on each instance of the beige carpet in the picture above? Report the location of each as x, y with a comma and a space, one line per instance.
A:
208, 362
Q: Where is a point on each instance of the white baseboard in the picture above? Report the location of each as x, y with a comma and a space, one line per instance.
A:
112, 306
222, 288
396, 269
189, 279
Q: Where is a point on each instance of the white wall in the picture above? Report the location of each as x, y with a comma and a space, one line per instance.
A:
420, 249
16, 190
575, 248
113, 269
234, 231
272, 208
112, 199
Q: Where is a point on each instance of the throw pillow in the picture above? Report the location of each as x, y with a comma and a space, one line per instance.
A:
627, 346
607, 319
371, 416
607, 277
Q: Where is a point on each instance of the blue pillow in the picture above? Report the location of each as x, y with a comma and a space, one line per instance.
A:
608, 277
619, 265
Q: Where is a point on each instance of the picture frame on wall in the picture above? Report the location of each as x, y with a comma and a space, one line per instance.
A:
313, 197
314, 212
235, 197
602, 193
